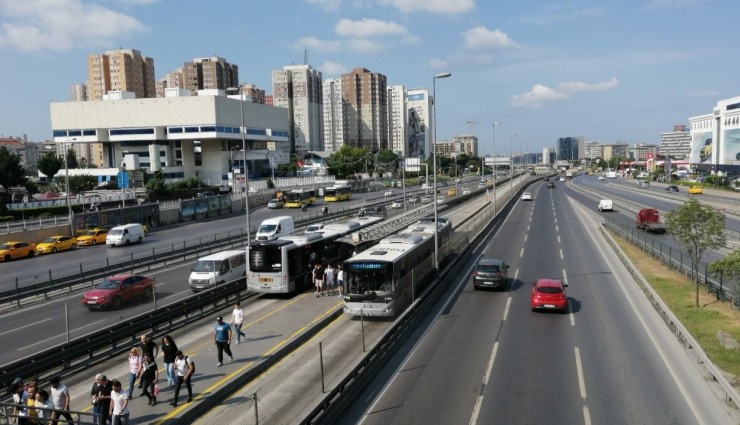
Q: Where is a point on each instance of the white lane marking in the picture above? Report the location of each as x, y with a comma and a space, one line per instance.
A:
565, 277
521, 253
572, 316
506, 308
561, 253
58, 336
579, 368
528, 227
557, 229
586, 416
486, 377
525, 238
36, 322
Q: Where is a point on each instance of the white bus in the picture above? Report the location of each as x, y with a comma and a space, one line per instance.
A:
284, 265
382, 280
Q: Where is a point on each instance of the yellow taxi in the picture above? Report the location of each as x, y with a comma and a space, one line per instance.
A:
53, 244
92, 237
696, 190
14, 250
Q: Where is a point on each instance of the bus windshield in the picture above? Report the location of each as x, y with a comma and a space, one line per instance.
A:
265, 259
368, 281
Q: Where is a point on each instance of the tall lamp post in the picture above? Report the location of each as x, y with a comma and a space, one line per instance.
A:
70, 217
434, 156
243, 132
493, 166
511, 154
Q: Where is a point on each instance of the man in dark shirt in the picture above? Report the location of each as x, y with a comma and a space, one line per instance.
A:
148, 346
104, 390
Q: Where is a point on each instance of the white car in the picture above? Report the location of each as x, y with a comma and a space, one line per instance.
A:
526, 196
465, 191
562, 179
314, 228
601, 177
388, 193
397, 204
440, 199
426, 199
275, 203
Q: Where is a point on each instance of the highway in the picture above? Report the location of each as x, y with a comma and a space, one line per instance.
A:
486, 358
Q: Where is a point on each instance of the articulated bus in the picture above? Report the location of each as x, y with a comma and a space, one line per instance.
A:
284, 265
337, 193
381, 280
297, 197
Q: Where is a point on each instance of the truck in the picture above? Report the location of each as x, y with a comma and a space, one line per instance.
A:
648, 219
569, 174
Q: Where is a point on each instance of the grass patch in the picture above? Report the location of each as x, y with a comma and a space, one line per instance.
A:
704, 322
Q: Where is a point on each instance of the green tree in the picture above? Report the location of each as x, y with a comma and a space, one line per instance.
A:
156, 186
728, 269
386, 161
12, 172
72, 158
696, 227
49, 164
348, 160
82, 183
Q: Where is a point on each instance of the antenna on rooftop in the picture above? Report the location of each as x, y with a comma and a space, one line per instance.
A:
305, 56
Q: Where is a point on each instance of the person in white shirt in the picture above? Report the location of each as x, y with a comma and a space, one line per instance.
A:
60, 399
329, 279
237, 318
340, 280
119, 404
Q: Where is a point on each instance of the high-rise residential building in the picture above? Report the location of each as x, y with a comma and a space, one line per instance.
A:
420, 128
676, 144
78, 93
28, 152
643, 151
365, 114
333, 117
209, 73
299, 89
253, 92
465, 144
397, 119
124, 70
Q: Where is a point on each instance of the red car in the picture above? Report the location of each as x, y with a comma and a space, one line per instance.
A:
549, 294
113, 291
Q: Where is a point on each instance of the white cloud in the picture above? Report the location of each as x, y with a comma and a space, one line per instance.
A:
672, 5
561, 12
536, 97
62, 25
313, 43
438, 63
325, 4
540, 94
482, 37
580, 86
433, 6
368, 28
364, 46
331, 69
703, 93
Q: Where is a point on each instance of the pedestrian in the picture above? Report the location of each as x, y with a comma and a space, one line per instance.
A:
20, 398
318, 278
94, 391
169, 349
32, 417
148, 346
222, 339
60, 399
135, 359
237, 318
104, 392
184, 369
328, 279
149, 376
44, 406
340, 280
118, 409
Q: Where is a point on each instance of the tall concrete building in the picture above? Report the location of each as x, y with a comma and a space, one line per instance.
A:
209, 73
298, 88
397, 119
78, 93
333, 118
568, 149
465, 144
366, 109
253, 92
676, 144
124, 70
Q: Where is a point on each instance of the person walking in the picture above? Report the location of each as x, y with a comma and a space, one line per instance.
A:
340, 280
44, 400
60, 398
20, 398
118, 409
148, 346
135, 359
169, 350
94, 397
318, 278
237, 318
104, 391
149, 375
222, 339
184, 369
328, 279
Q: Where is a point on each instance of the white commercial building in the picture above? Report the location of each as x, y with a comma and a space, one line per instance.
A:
180, 135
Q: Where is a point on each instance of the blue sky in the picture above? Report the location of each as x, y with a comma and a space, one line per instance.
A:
608, 70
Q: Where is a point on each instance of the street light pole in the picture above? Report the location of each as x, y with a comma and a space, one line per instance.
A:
493, 166
434, 156
511, 170
243, 132
70, 217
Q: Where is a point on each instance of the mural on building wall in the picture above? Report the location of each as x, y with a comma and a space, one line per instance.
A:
731, 146
417, 125
701, 148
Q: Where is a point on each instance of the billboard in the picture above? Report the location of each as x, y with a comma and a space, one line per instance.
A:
731, 146
701, 148
417, 128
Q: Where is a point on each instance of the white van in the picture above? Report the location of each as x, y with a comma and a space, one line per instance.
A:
606, 205
215, 269
125, 234
275, 227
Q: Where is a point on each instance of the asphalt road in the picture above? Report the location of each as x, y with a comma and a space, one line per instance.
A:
487, 359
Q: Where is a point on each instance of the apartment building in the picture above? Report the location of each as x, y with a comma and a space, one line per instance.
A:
397, 119
78, 92
333, 115
209, 73
466, 144
677, 143
298, 88
364, 94
120, 70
